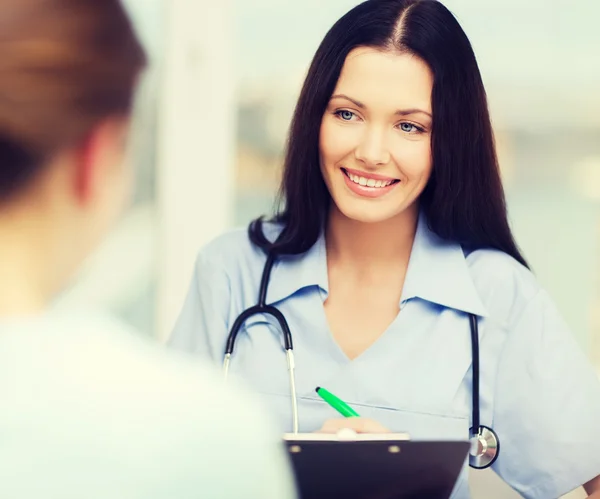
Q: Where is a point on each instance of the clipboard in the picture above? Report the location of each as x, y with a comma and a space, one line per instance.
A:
348, 465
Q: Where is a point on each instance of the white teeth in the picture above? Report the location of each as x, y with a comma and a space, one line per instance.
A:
368, 182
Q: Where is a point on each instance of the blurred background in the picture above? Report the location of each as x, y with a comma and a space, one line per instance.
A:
212, 119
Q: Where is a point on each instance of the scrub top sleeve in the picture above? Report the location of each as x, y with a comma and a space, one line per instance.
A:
203, 317
546, 407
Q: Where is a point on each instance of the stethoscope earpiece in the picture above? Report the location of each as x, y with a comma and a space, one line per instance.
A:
485, 447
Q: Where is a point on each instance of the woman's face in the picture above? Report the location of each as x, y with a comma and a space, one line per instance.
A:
375, 138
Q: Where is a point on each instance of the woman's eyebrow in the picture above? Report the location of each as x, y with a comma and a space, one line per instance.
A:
400, 112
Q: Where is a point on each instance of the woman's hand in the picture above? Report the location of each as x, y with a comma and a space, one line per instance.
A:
593, 488
359, 425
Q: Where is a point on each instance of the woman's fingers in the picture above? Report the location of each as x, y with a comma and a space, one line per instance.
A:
359, 425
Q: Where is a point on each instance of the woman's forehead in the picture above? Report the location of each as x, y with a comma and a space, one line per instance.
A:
395, 80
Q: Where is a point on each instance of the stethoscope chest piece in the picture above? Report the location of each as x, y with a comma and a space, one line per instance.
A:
485, 448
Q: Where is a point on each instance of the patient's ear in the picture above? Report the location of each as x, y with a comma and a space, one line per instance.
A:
98, 161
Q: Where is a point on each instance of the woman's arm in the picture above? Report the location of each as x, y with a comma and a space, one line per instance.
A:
593, 488
547, 407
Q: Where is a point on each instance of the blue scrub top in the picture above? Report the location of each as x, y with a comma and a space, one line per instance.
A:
538, 390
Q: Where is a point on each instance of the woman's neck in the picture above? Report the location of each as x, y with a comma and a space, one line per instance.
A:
371, 245
25, 276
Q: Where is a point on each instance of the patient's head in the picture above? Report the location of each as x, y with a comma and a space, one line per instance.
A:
68, 71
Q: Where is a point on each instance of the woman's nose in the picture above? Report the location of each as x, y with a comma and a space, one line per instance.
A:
372, 151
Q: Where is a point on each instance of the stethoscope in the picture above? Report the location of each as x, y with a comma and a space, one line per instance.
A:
485, 445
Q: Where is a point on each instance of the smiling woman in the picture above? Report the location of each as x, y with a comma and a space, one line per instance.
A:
394, 260
400, 68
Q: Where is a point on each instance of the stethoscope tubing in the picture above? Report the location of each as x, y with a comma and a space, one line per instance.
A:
482, 437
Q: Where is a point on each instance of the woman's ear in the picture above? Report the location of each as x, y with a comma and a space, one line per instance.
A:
97, 158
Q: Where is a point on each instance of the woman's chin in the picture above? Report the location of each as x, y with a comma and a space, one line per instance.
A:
373, 210
363, 213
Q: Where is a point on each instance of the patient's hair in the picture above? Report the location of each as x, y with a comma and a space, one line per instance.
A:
65, 65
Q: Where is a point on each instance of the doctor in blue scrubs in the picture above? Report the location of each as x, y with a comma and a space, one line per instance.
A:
393, 229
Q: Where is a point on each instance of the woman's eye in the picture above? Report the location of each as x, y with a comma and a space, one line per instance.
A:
345, 115
408, 127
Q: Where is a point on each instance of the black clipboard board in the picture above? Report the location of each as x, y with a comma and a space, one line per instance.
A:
361, 466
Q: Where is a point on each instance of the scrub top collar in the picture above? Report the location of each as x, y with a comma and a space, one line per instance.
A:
294, 273
437, 272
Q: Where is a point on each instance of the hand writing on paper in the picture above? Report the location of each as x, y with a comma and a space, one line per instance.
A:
359, 425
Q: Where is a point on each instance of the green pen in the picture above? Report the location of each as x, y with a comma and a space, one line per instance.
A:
338, 404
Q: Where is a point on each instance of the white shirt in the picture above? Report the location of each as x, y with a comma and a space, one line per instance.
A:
90, 410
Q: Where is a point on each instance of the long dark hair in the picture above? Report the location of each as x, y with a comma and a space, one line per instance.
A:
464, 199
